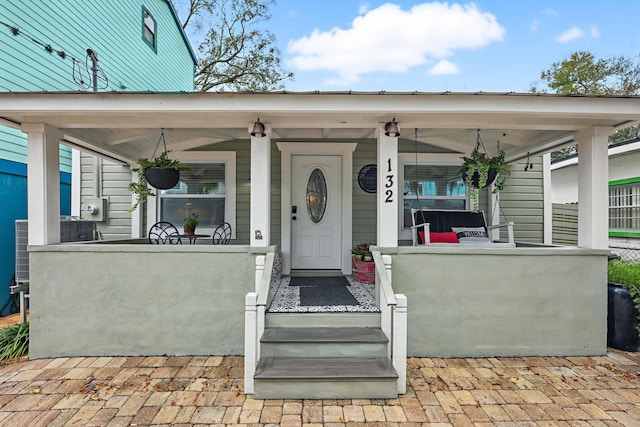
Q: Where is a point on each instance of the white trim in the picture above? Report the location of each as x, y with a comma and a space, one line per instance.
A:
388, 194
547, 199
288, 149
76, 178
226, 157
452, 159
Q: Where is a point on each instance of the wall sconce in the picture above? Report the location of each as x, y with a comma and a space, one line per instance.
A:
391, 128
258, 129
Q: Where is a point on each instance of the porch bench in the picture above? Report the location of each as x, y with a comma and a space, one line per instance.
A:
446, 227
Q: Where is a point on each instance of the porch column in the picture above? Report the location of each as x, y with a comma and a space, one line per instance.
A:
593, 188
388, 190
260, 206
43, 183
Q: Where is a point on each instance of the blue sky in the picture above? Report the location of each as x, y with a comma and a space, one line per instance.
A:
407, 45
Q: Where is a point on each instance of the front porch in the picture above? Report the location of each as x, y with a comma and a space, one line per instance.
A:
129, 298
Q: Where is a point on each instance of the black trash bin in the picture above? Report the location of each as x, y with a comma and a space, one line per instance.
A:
622, 318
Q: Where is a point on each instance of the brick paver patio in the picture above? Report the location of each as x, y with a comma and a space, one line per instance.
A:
193, 391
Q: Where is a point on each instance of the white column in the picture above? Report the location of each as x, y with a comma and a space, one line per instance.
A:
388, 191
76, 182
400, 342
260, 191
43, 183
136, 216
593, 189
547, 202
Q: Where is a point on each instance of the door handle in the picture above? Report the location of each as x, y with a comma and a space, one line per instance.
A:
294, 211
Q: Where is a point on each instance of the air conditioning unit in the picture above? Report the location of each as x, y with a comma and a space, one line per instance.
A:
71, 230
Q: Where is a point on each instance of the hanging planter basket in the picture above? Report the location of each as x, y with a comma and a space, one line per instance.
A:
162, 178
475, 178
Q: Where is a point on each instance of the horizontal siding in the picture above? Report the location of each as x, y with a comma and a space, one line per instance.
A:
115, 179
364, 214
522, 201
126, 58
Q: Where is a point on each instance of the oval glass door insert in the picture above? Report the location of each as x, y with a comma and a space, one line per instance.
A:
316, 195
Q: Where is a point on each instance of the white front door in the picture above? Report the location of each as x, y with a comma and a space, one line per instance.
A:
316, 212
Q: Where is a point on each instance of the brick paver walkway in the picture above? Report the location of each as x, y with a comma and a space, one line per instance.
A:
176, 391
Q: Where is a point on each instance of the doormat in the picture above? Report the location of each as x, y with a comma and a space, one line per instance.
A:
323, 291
319, 281
321, 296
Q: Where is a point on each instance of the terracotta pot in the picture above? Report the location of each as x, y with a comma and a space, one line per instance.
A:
189, 230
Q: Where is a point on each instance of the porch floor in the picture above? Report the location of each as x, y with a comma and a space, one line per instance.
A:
286, 299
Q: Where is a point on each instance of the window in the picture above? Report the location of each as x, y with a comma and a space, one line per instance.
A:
148, 28
433, 182
624, 205
207, 188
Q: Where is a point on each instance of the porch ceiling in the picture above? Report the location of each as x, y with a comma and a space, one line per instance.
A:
126, 126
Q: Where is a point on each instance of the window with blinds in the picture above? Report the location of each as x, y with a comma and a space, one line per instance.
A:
200, 191
432, 186
624, 207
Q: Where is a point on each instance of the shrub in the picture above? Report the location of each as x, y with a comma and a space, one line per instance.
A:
627, 274
14, 341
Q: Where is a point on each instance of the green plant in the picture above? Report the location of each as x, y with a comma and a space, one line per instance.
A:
479, 163
192, 221
628, 275
141, 188
14, 341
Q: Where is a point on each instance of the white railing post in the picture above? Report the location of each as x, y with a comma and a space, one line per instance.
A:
260, 259
250, 340
387, 266
400, 342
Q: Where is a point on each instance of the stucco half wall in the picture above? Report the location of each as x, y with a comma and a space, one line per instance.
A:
138, 299
475, 302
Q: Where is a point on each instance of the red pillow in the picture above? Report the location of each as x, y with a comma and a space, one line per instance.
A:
444, 237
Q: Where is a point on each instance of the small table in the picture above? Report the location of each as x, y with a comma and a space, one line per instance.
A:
193, 237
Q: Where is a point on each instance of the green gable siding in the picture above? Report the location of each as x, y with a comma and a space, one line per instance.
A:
112, 29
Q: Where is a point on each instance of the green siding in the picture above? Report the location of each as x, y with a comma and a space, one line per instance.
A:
111, 29
522, 201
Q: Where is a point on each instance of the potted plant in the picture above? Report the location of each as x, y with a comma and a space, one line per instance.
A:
623, 326
190, 224
362, 265
160, 172
479, 171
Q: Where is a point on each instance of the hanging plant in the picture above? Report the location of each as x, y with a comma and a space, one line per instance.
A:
479, 171
160, 172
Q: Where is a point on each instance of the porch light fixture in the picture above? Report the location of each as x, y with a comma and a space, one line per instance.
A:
258, 129
391, 128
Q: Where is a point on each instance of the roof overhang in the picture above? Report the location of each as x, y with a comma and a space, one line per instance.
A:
126, 126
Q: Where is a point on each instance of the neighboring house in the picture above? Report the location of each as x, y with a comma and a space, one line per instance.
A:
140, 46
624, 192
298, 189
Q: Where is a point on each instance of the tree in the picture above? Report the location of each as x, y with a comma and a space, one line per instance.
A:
234, 53
582, 73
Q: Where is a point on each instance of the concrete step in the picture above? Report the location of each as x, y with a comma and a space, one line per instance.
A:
324, 342
275, 320
325, 378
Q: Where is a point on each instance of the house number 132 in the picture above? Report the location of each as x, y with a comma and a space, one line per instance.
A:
389, 183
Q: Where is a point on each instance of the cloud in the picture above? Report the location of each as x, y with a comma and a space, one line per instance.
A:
594, 32
444, 67
535, 25
389, 39
570, 35
363, 8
